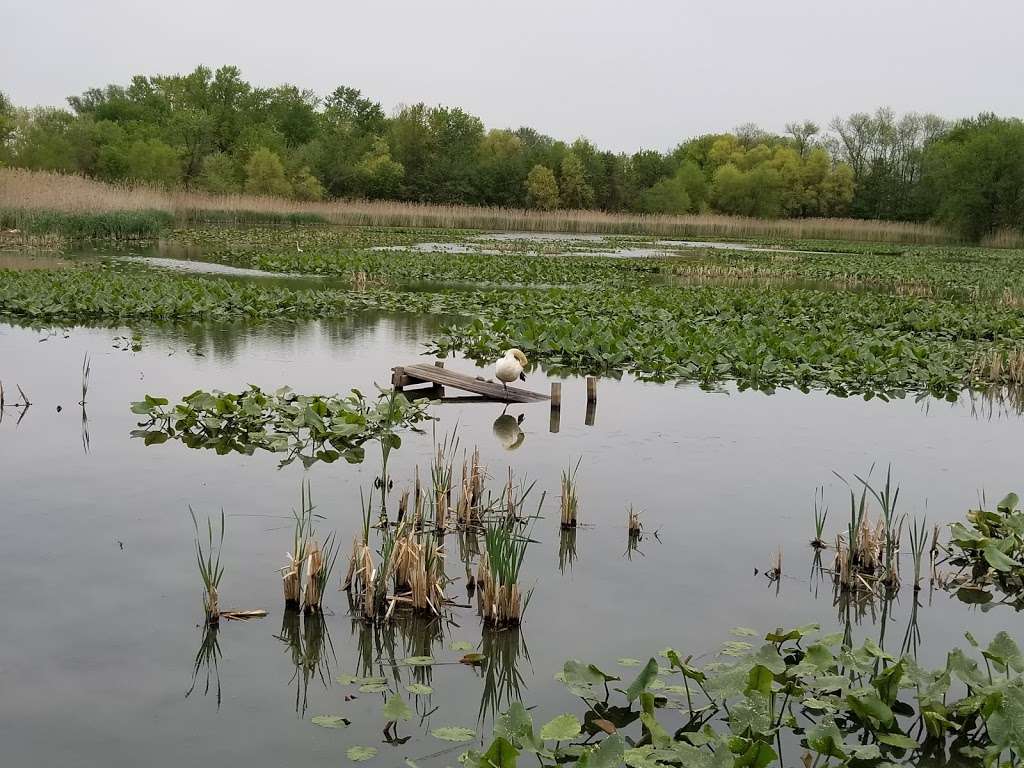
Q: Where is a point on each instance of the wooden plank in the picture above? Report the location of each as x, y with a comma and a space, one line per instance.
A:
447, 378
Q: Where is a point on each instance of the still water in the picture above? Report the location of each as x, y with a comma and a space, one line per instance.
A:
101, 597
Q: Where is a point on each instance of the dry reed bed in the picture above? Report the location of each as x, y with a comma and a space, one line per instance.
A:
39, 190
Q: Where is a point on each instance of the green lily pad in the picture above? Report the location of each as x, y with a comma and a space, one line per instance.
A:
330, 721
629, 662
419, 689
374, 688
453, 733
461, 645
419, 661
361, 754
395, 708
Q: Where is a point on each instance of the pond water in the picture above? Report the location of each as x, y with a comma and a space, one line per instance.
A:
102, 598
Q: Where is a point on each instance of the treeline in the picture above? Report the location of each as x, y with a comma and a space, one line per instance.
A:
216, 132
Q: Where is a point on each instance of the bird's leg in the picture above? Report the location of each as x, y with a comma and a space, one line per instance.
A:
506, 388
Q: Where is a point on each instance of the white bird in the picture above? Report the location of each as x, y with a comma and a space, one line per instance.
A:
510, 367
506, 428
297, 247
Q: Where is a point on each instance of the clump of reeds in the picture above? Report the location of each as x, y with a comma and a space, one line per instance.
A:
820, 516
569, 501
441, 474
633, 522
362, 579
1000, 366
501, 601
468, 509
869, 552
309, 565
418, 565
210, 569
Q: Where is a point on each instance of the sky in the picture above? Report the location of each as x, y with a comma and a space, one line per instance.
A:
628, 74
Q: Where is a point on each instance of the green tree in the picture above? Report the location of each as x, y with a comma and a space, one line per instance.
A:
152, 160
264, 174
542, 188
576, 193
306, 186
7, 126
975, 176
378, 175
220, 174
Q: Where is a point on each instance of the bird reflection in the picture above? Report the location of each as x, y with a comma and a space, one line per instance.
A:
506, 428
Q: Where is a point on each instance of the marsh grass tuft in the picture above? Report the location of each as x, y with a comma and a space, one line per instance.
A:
569, 500
210, 569
820, 516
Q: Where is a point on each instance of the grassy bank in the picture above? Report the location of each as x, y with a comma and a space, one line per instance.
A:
40, 191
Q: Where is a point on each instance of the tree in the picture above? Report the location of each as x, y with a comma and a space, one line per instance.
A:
377, 174
576, 193
541, 188
264, 174
667, 196
7, 125
220, 174
975, 176
306, 186
152, 160
803, 134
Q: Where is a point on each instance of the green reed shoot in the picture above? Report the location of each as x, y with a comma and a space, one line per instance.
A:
570, 503
820, 516
86, 369
441, 473
210, 569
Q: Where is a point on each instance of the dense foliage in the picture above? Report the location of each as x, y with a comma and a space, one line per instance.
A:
215, 131
309, 427
844, 342
823, 701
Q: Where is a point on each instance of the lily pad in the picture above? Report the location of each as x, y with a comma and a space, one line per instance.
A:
419, 689
374, 688
629, 662
461, 645
330, 721
419, 661
361, 754
454, 733
396, 709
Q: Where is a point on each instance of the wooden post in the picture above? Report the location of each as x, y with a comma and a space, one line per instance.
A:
397, 378
591, 401
556, 407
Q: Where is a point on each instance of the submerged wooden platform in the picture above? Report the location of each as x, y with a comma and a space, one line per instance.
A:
403, 376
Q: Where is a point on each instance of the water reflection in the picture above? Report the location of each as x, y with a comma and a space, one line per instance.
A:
566, 548
503, 682
311, 651
508, 431
207, 662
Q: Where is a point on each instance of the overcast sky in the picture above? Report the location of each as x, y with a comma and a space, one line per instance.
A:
627, 74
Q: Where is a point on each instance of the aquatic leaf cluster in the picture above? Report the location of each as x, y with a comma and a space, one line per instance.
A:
799, 697
309, 427
990, 553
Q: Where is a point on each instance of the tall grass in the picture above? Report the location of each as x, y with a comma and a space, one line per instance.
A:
22, 190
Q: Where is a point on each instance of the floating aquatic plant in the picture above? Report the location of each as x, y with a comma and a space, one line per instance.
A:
309, 427
989, 553
569, 501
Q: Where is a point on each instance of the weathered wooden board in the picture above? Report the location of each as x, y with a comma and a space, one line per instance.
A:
408, 375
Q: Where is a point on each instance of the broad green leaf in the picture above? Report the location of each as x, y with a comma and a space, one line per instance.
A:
897, 740
419, 689
998, 560
643, 680
607, 754
561, 728
461, 645
826, 739
1004, 652
500, 754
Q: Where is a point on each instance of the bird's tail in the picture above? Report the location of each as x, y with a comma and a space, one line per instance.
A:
522, 376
